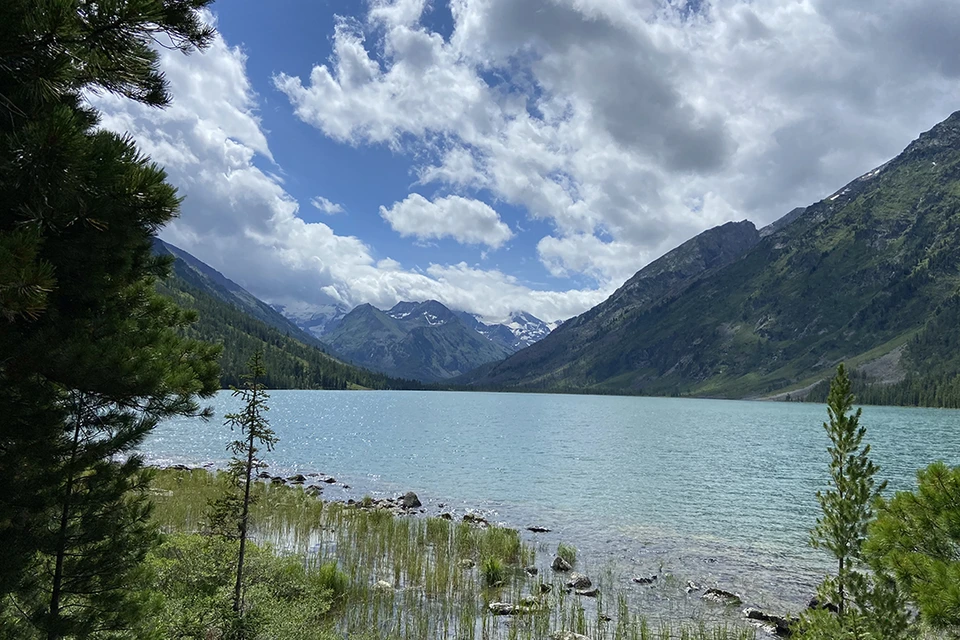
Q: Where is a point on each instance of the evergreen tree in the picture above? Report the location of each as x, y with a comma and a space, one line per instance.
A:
90, 356
916, 538
232, 511
856, 604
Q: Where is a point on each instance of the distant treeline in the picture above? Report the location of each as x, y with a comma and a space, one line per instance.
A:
290, 364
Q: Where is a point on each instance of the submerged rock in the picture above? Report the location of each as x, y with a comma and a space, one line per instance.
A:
531, 570
559, 564
538, 529
410, 500
589, 593
721, 597
510, 609
579, 581
568, 635
645, 579
692, 586
330, 480
297, 479
545, 588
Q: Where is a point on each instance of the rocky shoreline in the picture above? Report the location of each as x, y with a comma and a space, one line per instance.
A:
409, 504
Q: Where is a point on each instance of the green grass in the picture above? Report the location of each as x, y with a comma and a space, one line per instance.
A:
567, 552
377, 575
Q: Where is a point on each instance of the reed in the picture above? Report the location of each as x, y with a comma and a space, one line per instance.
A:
405, 578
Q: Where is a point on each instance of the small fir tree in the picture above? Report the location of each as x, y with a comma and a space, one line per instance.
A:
856, 604
234, 508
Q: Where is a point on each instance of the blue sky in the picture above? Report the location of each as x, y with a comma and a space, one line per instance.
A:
503, 155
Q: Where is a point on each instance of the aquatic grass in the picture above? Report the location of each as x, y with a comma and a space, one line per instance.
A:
567, 552
406, 578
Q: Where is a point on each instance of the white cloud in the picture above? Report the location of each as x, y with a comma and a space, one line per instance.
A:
638, 124
242, 221
326, 206
467, 221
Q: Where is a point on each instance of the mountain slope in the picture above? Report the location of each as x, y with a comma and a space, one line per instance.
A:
230, 315
420, 340
853, 276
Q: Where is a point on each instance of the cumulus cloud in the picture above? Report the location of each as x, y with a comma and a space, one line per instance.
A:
465, 220
241, 220
326, 206
632, 126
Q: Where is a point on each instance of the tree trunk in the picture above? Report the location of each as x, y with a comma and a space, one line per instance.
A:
53, 628
245, 512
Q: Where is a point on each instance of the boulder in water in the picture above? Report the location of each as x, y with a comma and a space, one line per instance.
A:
561, 565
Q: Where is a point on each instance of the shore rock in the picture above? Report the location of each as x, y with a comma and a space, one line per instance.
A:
721, 597
816, 604
473, 518
297, 479
545, 587
579, 581
778, 625
645, 579
410, 500
559, 564
446, 516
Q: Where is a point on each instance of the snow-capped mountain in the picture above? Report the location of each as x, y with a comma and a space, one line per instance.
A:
312, 318
519, 330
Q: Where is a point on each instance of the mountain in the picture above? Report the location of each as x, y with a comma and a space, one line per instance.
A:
420, 340
314, 319
230, 315
228, 291
519, 331
866, 275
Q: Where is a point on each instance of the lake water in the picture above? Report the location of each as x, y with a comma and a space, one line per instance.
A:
715, 491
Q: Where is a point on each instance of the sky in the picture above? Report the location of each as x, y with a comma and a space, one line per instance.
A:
505, 155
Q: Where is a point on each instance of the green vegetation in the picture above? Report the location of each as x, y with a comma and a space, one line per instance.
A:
291, 363
567, 552
356, 572
857, 603
915, 539
91, 358
736, 316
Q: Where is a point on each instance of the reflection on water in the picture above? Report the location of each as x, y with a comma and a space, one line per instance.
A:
707, 490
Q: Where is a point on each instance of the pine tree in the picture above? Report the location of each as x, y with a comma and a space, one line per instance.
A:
916, 538
90, 356
233, 509
856, 603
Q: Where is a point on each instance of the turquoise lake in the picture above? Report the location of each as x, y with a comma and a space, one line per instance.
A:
714, 491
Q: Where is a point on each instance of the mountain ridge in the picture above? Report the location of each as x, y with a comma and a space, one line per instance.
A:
856, 272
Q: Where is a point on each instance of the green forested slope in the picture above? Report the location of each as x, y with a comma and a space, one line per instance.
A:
866, 267
290, 363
